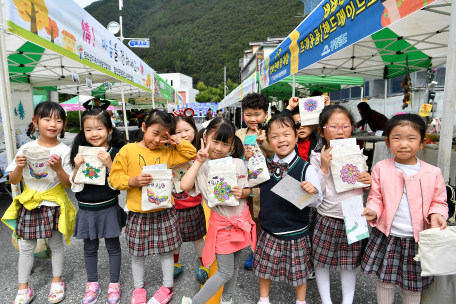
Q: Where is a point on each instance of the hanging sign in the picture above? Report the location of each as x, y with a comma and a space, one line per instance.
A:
113, 27
139, 43
425, 110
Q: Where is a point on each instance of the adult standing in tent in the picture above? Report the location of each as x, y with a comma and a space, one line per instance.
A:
97, 104
374, 119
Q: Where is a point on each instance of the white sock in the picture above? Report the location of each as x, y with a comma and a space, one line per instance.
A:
322, 277
385, 293
348, 279
23, 291
410, 297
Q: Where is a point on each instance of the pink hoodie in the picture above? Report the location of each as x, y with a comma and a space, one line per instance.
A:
426, 194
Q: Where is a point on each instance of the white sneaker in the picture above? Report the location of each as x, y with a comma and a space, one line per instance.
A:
186, 300
222, 301
261, 302
25, 298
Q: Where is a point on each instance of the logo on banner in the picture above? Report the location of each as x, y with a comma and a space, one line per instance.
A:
326, 50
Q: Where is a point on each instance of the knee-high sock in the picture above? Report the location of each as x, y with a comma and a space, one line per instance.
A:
410, 297
348, 279
385, 293
322, 277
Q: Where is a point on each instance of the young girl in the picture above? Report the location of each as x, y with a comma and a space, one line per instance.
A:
43, 210
225, 223
148, 232
190, 212
283, 247
407, 195
330, 248
99, 214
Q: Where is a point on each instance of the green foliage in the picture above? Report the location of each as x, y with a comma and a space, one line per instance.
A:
199, 37
72, 119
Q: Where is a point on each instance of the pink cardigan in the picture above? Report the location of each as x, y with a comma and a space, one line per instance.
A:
426, 194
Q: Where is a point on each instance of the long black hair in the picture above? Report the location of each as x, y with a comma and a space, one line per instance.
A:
115, 139
49, 109
324, 117
223, 130
191, 122
365, 110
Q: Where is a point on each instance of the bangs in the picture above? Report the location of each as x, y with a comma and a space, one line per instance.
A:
51, 109
224, 133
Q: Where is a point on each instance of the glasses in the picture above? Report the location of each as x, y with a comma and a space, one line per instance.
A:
335, 128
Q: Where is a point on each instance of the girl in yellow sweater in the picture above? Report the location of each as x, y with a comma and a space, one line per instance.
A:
149, 232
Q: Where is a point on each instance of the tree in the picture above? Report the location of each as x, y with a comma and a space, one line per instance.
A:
20, 110
35, 12
52, 30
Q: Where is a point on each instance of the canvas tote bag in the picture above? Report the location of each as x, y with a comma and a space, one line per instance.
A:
42, 249
92, 171
258, 170
37, 168
346, 164
220, 180
310, 109
157, 195
178, 172
436, 251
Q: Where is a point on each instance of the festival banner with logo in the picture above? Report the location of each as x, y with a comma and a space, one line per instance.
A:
163, 89
67, 29
331, 27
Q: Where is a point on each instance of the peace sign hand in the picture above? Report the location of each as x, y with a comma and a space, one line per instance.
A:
171, 139
203, 153
260, 136
326, 158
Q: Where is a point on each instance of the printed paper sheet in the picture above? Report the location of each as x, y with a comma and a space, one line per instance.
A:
290, 189
355, 223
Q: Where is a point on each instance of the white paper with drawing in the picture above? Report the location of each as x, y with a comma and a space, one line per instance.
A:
310, 109
355, 223
340, 143
290, 189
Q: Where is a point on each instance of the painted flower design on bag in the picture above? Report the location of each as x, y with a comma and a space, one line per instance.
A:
91, 172
37, 175
222, 192
310, 105
349, 174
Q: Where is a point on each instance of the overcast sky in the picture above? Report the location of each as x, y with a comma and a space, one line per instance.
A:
84, 3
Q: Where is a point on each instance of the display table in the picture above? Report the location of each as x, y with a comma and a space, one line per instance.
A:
130, 129
428, 155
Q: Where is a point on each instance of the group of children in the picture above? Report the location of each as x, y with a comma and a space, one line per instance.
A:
406, 196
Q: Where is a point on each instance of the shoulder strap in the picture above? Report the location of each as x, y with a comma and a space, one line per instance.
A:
304, 170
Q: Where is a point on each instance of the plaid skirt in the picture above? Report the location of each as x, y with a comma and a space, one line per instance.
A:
391, 259
192, 223
37, 223
280, 260
330, 248
152, 233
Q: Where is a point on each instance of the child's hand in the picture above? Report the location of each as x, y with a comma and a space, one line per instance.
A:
21, 161
365, 178
55, 162
78, 161
326, 158
248, 152
141, 180
260, 136
370, 214
327, 100
202, 154
237, 192
293, 103
438, 221
308, 187
172, 139
105, 157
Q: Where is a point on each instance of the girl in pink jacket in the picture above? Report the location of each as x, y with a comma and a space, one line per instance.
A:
407, 196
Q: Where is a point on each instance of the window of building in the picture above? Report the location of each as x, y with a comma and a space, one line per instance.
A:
355, 92
366, 89
171, 82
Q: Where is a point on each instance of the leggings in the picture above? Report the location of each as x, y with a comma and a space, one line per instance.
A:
91, 258
27, 249
167, 263
226, 275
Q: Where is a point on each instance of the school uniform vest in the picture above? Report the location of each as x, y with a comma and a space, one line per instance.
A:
278, 216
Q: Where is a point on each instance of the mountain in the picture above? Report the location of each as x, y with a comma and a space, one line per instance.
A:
199, 37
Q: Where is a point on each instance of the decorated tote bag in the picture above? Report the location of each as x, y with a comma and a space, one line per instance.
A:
92, 171
42, 249
310, 109
258, 170
37, 168
157, 195
220, 180
347, 163
179, 172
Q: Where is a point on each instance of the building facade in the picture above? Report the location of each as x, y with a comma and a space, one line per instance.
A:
183, 84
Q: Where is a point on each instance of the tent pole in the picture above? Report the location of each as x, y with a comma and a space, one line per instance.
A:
153, 100
362, 93
386, 96
79, 111
124, 110
5, 101
294, 85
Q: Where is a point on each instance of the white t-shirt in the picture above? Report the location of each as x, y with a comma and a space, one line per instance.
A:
402, 221
61, 150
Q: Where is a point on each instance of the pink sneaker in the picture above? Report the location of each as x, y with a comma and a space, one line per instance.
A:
162, 296
113, 293
139, 296
25, 298
91, 293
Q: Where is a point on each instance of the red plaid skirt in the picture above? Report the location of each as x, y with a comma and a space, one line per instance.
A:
391, 259
280, 260
192, 223
330, 248
152, 233
37, 223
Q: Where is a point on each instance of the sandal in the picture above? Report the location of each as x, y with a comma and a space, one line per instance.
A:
25, 298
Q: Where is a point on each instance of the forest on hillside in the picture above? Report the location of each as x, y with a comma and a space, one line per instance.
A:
199, 37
